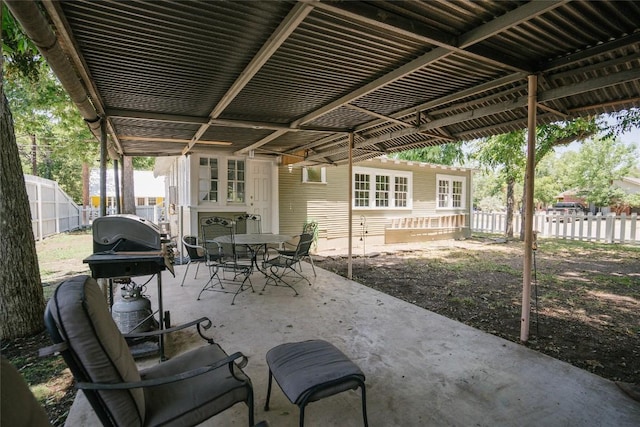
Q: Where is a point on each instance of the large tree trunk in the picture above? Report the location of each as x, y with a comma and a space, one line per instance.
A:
21, 297
128, 196
510, 203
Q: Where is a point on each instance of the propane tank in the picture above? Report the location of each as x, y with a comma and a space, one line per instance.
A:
132, 312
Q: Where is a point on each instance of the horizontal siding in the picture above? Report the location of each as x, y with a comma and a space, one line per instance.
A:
327, 203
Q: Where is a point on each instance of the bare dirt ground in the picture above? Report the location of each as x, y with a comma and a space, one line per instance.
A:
585, 299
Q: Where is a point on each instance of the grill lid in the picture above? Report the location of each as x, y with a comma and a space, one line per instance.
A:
125, 232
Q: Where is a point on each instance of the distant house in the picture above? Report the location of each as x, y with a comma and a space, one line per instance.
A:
392, 200
629, 185
572, 196
148, 189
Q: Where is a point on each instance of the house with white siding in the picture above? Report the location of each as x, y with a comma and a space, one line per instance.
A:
391, 200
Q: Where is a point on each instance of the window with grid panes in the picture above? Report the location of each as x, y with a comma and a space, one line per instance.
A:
443, 193
451, 191
361, 190
208, 179
401, 191
381, 189
456, 194
235, 181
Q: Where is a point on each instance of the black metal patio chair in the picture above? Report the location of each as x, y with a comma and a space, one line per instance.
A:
183, 391
197, 254
290, 248
218, 239
281, 265
248, 224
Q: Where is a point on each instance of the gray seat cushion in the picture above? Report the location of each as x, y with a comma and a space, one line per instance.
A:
301, 367
193, 401
102, 351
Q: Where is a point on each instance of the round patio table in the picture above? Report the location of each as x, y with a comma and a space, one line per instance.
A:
254, 242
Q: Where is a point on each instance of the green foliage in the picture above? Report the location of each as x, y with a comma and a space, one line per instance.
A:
593, 168
42, 110
486, 184
631, 199
446, 154
143, 163
547, 185
506, 156
502, 153
562, 133
21, 57
622, 122
491, 204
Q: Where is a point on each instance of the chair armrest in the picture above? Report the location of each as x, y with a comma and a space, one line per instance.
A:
287, 245
270, 253
170, 379
201, 323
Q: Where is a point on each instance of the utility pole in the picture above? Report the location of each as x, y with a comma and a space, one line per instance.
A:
34, 158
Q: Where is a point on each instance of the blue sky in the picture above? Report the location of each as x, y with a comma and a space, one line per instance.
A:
631, 137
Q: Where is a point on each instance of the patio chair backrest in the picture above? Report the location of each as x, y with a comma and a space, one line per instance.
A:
191, 246
248, 224
216, 226
304, 245
78, 315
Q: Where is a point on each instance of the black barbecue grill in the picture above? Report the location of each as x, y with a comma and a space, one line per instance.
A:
125, 233
126, 246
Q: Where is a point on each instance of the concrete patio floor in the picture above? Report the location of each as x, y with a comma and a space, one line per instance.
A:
421, 369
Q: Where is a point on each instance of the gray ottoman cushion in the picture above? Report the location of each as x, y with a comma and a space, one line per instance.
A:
300, 367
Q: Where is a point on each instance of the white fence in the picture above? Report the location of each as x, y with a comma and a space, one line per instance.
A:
53, 211
608, 228
154, 214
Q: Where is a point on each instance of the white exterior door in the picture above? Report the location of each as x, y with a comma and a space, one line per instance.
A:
259, 192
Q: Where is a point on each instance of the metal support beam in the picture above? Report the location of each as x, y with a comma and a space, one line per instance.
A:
116, 186
350, 204
279, 36
528, 210
103, 169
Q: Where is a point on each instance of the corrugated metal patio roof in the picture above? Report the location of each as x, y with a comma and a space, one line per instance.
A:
285, 77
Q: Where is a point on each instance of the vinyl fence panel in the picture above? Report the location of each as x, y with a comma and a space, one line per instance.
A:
52, 210
608, 228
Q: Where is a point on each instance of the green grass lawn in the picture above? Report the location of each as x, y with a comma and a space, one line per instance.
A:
60, 257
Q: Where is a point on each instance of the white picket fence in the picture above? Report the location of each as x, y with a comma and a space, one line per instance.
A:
608, 228
53, 211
